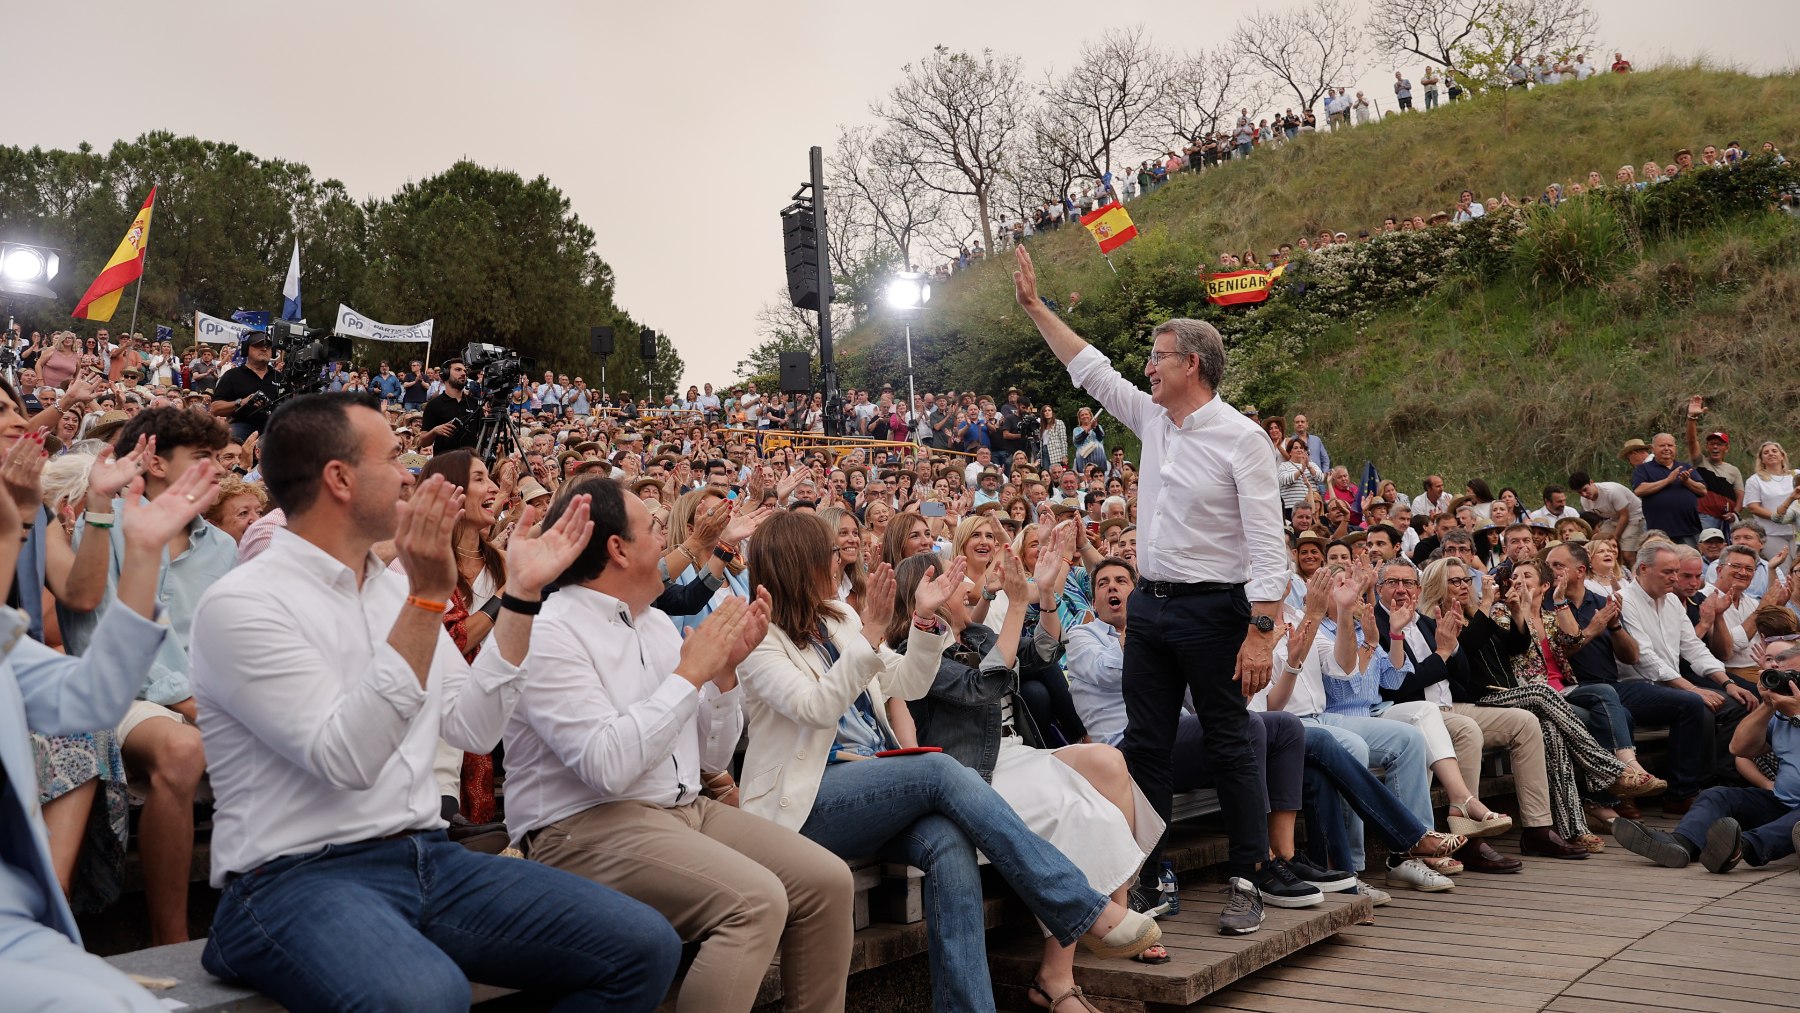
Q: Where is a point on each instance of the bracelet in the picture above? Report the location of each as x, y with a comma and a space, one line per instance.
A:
1292, 669
95, 520
520, 605
926, 624
723, 555
1615, 627
1397, 635
427, 604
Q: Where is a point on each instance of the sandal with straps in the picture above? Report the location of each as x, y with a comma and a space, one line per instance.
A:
1074, 992
1436, 844
1460, 823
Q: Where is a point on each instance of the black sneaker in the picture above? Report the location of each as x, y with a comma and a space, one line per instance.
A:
1243, 912
1328, 880
1279, 886
1724, 846
1144, 902
1665, 849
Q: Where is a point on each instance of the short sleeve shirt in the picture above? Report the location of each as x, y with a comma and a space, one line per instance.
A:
1674, 509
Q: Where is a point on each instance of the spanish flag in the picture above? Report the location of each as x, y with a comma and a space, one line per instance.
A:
1110, 226
125, 267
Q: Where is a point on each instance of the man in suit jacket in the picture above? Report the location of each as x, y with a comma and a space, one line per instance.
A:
1441, 674
41, 959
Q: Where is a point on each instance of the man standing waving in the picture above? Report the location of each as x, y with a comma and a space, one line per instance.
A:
1204, 615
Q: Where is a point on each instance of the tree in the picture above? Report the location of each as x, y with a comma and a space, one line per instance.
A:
1554, 28
954, 116
1306, 51
1203, 89
1104, 100
1466, 34
878, 174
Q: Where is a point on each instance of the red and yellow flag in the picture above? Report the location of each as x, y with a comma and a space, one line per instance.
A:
125, 267
1110, 226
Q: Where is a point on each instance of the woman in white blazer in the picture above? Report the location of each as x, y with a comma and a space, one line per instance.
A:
818, 686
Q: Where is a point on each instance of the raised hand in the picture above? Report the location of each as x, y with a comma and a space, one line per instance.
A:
1012, 575
706, 653
423, 537
756, 626
744, 524
1346, 588
712, 519
1025, 286
1449, 628
149, 526
20, 467
109, 474
1318, 593
878, 599
22, 477
934, 591
534, 560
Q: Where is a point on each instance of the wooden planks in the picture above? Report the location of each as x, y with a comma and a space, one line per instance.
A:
1609, 934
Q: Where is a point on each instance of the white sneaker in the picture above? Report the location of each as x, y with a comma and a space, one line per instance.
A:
1419, 876
1377, 896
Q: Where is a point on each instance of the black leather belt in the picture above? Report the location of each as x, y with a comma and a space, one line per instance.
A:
1173, 589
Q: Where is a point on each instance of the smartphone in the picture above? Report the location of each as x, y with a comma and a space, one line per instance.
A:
931, 508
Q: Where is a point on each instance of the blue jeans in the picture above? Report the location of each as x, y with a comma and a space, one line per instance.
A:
1690, 730
932, 812
1768, 822
1399, 750
407, 923
1607, 719
1336, 777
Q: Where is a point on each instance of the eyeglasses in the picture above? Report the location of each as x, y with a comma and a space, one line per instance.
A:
1158, 356
1458, 581
1403, 582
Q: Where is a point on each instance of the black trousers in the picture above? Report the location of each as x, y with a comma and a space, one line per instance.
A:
1190, 643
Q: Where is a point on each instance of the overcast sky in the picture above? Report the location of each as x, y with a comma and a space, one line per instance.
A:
678, 130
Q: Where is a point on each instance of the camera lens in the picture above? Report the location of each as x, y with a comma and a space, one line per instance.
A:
1776, 680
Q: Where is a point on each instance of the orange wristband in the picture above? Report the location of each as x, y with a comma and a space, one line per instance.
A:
439, 607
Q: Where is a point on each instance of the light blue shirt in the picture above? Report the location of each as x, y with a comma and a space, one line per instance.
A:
1359, 693
1096, 663
1759, 585
1784, 738
179, 584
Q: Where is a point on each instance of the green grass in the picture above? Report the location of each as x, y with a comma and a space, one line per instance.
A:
1514, 381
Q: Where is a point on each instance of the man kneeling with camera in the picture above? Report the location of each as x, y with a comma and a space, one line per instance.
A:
1752, 825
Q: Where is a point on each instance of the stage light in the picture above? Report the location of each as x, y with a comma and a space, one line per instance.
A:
908, 292
28, 270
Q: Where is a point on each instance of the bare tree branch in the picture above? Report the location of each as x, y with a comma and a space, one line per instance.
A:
1101, 104
955, 115
1204, 88
1306, 51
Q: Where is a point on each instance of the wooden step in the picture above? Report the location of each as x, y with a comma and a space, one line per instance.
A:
1204, 961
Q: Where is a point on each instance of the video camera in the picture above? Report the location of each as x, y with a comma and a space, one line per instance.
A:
305, 359
1777, 680
500, 368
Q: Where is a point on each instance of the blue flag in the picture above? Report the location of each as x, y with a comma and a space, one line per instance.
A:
290, 289
1371, 480
258, 319
164, 333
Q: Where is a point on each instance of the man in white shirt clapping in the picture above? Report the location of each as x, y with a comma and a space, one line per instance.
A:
322, 716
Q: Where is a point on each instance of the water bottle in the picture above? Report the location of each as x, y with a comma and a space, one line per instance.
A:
1168, 890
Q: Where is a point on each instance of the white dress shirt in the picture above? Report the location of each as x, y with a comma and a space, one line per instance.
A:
1308, 697
1733, 619
317, 731
604, 717
1209, 503
1664, 637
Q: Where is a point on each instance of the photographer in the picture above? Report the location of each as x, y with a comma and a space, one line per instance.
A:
1751, 825
451, 417
245, 393
340, 887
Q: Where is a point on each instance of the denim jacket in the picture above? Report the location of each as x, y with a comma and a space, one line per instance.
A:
961, 712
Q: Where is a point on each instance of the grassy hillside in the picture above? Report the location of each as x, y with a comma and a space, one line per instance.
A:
1500, 376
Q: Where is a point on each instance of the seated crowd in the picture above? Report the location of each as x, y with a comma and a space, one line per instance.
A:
691, 660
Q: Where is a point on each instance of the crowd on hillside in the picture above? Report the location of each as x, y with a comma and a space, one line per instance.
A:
328, 617
1206, 149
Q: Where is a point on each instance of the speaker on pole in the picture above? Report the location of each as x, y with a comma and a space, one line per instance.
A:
796, 372
600, 341
647, 345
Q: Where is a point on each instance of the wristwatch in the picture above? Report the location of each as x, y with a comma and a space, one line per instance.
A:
1263, 624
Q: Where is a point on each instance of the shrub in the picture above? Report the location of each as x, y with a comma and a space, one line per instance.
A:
1578, 242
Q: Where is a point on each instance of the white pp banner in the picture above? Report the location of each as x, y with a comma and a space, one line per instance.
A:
352, 324
215, 331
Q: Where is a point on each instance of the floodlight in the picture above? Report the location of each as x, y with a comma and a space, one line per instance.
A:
27, 269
